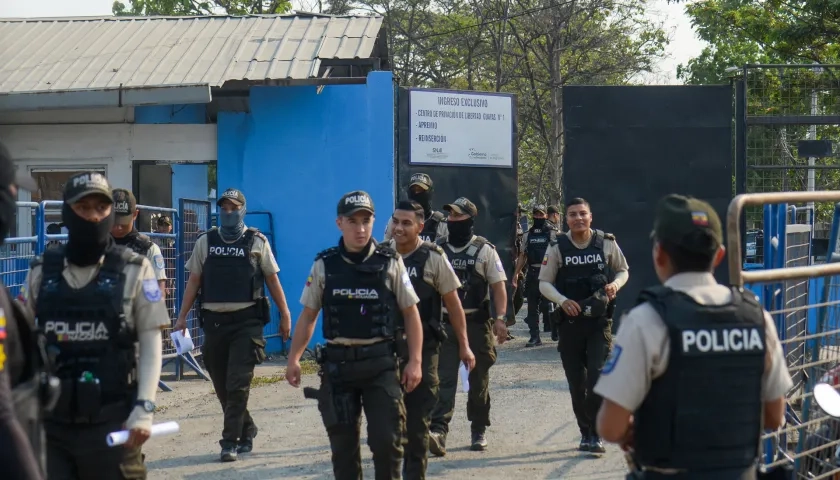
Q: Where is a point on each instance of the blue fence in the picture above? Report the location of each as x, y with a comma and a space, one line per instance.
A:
189, 221
807, 317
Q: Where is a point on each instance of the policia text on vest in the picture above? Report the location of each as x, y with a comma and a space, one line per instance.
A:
436, 284
359, 366
230, 265
102, 311
582, 272
693, 357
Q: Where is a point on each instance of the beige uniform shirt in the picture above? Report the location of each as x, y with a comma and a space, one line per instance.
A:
642, 347
615, 259
442, 230
155, 258
397, 281
260, 250
488, 266
437, 272
142, 299
552, 238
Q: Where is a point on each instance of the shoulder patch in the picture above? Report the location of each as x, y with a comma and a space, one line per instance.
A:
159, 262
406, 281
499, 267
326, 253
612, 361
151, 290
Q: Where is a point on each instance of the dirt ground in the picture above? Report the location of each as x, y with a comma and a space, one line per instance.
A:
533, 435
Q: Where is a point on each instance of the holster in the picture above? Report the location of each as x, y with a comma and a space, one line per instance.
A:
263, 310
401, 344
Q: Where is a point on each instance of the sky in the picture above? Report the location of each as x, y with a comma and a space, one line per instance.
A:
684, 44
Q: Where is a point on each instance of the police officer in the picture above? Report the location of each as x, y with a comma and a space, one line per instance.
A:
434, 281
553, 218
124, 233
480, 271
582, 272
420, 189
362, 288
535, 243
102, 313
230, 265
697, 370
21, 430
164, 224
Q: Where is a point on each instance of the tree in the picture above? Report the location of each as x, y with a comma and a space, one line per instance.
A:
197, 7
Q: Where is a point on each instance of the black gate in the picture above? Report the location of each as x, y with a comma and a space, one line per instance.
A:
626, 147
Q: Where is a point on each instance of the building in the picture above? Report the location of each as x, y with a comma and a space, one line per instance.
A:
295, 110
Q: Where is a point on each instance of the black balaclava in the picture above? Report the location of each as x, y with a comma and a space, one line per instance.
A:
128, 238
86, 241
539, 222
232, 224
424, 198
460, 232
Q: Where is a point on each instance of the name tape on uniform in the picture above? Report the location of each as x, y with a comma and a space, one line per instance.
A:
722, 340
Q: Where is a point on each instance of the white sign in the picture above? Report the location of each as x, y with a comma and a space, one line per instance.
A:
460, 128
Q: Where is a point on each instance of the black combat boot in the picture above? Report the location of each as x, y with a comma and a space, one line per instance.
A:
479, 442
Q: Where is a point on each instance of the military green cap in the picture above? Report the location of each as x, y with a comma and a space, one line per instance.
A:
689, 223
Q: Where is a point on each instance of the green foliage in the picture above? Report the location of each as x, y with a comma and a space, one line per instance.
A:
194, 7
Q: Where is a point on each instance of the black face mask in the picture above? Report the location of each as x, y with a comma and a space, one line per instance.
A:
127, 239
460, 232
424, 198
539, 222
86, 241
7, 212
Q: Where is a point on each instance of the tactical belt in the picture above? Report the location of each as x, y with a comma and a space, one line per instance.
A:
339, 353
248, 313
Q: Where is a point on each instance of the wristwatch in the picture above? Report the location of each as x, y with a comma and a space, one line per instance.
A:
500, 318
147, 405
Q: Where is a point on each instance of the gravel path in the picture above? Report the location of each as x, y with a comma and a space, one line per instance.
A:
533, 435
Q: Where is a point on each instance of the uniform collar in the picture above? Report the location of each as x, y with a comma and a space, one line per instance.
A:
686, 280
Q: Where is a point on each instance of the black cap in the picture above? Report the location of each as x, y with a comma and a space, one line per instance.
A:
355, 201
538, 209
11, 175
689, 223
462, 205
233, 195
422, 180
596, 305
553, 209
124, 206
87, 183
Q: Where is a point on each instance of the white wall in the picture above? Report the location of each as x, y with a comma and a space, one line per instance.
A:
112, 146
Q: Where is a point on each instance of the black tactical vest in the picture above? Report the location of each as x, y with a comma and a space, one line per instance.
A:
705, 412
538, 239
430, 299
230, 272
86, 331
357, 301
474, 288
140, 243
576, 278
429, 233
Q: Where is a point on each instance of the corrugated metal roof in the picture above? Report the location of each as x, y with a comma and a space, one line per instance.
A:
59, 54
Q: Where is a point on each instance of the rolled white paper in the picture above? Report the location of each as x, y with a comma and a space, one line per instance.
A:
119, 438
465, 378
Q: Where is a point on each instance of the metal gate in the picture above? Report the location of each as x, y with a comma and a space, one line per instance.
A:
787, 123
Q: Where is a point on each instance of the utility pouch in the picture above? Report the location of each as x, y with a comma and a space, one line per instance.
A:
88, 398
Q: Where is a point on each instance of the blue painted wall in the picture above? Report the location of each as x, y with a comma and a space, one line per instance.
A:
189, 181
297, 153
